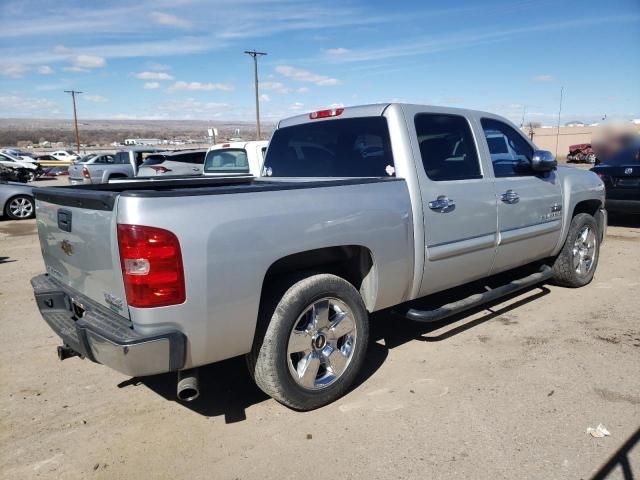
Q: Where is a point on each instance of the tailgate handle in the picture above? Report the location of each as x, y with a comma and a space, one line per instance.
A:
64, 220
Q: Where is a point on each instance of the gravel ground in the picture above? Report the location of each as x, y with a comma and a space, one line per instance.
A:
505, 392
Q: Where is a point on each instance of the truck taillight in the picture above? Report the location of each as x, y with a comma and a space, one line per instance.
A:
151, 263
85, 172
332, 112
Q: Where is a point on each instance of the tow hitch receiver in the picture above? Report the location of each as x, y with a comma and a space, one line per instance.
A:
65, 352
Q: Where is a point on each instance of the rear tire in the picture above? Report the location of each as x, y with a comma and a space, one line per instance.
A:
314, 342
577, 262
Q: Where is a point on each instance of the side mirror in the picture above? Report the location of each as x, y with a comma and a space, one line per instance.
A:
543, 161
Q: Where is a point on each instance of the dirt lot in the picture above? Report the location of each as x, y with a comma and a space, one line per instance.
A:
505, 392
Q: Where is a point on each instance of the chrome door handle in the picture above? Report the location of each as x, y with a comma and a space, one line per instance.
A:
442, 204
510, 197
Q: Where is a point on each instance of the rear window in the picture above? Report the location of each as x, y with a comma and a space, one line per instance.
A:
186, 157
227, 160
350, 147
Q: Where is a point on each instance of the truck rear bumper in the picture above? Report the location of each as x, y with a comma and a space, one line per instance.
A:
102, 336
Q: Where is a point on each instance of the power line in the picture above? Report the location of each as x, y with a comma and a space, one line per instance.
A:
75, 115
255, 55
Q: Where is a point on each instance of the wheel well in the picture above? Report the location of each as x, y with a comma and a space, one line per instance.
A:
354, 263
587, 206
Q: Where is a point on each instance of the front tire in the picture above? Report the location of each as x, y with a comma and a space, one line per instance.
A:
576, 264
314, 343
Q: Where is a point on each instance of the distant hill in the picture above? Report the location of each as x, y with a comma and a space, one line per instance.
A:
104, 132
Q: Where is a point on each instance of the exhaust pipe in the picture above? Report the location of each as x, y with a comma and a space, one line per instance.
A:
188, 385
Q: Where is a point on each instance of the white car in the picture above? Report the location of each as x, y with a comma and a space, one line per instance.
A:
26, 156
15, 163
235, 158
66, 155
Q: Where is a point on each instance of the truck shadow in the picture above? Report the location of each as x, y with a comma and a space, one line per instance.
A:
226, 389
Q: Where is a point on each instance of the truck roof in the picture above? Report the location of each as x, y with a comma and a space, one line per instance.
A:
378, 109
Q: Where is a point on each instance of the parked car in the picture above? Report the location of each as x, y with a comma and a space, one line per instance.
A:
31, 169
22, 154
102, 168
236, 158
16, 200
176, 162
361, 209
67, 155
621, 177
581, 153
10, 174
46, 158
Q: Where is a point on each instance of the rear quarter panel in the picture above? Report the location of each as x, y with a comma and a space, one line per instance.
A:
229, 242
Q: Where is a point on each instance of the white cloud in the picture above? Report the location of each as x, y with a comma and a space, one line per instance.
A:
94, 98
87, 61
75, 69
13, 70
169, 20
277, 87
296, 106
306, 76
153, 76
542, 78
14, 105
191, 105
157, 67
302, 90
265, 98
198, 86
337, 51
45, 70
151, 85
61, 50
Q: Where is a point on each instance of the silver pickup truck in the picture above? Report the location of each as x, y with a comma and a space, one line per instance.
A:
102, 168
360, 209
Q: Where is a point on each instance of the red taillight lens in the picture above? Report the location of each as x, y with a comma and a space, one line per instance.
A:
333, 112
85, 172
226, 145
151, 266
161, 169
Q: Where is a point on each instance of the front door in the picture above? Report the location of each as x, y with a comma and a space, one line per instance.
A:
458, 202
529, 203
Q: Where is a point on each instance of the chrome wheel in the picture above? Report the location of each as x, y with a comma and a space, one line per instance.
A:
584, 250
321, 343
21, 207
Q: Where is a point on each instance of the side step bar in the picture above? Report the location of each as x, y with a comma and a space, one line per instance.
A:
428, 316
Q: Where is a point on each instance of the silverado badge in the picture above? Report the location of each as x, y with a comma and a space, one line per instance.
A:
628, 171
66, 247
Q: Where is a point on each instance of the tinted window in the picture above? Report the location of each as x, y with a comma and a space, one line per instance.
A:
122, 157
510, 153
104, 159
227, 160
353, 147
446, 147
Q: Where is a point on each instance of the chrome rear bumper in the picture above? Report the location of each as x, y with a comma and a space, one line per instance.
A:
102, 336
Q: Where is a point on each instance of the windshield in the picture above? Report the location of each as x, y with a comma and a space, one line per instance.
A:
353, 147
227, 160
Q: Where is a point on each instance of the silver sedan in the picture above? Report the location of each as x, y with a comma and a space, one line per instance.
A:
16, 200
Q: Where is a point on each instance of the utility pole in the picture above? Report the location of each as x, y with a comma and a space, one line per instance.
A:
559, 112
75, 115
255, 55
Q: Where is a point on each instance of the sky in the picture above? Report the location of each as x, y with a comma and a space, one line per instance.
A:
183, 59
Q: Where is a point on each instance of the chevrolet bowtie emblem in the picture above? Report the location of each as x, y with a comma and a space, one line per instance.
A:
66, 247
628, 171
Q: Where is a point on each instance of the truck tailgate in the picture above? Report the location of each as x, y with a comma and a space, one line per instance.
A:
78, 238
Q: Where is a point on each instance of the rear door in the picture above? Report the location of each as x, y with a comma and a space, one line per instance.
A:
529, 203
77, 231
458, 201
